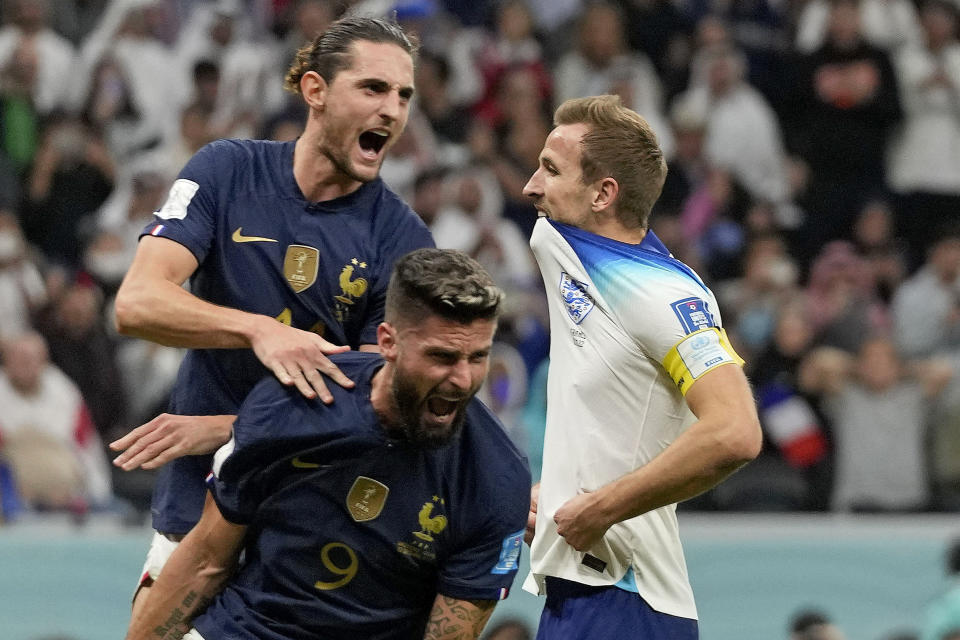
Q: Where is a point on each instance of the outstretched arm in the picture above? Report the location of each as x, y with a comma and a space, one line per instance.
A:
453, 619
152, 304
170, 436
725, 437
195, 573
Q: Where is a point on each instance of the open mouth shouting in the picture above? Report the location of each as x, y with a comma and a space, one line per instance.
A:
372, 143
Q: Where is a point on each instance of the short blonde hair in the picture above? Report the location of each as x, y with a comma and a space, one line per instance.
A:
619, 144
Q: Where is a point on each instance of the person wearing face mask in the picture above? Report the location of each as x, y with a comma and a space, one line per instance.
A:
22, 290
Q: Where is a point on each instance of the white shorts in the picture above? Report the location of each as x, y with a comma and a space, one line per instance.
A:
193, 634
161, 548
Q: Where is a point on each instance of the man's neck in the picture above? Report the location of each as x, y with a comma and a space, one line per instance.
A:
614, 230
381, 396
316, 174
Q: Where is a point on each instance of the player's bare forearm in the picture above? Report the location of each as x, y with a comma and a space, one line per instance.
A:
164, 312
168, 437
153, 305
193, 575
454, 619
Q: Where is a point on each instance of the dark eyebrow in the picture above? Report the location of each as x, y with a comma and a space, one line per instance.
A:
380, 85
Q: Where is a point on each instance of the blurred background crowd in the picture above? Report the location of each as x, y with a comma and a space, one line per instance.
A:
814, 182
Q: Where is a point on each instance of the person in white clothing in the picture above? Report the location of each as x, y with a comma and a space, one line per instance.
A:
647, 404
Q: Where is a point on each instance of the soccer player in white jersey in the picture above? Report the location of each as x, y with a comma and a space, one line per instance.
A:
647, 403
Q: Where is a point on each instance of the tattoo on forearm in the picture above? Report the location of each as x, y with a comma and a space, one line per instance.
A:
178, 623
453, 619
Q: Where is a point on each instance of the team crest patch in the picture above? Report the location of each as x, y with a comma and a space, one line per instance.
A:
574, 293
366, 498
300, 266
509, 554
693, 314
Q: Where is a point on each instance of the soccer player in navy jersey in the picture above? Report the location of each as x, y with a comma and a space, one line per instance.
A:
396, 512
288, 248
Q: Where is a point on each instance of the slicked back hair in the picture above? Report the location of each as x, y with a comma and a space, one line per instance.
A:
330, 52
619, 144
442, 282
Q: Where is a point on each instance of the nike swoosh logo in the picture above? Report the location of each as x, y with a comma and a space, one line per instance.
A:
239, 237
300, 464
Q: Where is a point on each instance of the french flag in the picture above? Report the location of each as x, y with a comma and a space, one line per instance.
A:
156, 230
792, 425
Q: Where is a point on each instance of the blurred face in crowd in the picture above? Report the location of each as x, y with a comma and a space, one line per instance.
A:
939, 24
11, 239
557, 187
601, 35
364, 109
878, 366
844, 26
24, 360
439, 365
945, 259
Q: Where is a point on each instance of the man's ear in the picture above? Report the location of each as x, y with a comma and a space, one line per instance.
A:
314, 90
387, 340
606, 196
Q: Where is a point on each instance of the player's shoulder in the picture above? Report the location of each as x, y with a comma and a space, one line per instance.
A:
274, 411
489, 447
397, 220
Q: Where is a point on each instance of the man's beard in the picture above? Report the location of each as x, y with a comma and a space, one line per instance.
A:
410, 410
340, 161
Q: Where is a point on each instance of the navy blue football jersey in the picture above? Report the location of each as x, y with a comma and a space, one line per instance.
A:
353, 533
263, 248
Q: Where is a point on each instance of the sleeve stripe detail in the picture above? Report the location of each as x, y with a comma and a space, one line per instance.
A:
697, 353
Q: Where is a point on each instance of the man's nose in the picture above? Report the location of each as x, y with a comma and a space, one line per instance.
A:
532, 188
391, 107
460, 375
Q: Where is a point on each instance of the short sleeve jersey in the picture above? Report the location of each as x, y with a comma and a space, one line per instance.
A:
352, 533
632, 329
263, 248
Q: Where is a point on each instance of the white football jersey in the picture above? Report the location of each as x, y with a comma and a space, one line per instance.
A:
631, 329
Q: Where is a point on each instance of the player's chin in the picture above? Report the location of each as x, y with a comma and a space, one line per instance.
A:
436, 431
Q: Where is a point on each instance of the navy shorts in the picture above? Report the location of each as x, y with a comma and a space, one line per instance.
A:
579, 612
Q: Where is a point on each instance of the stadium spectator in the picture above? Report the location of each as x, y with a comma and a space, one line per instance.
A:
387, 449
46, 432
742, 132
926, 315
22, 289
887, 24
602, 63
942, 617
623, 443
74, 327
28, 36
924, 156
879, 409
810, 624
846, 105
71, 177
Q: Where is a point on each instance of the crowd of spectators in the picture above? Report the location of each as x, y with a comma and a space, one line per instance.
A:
814, 181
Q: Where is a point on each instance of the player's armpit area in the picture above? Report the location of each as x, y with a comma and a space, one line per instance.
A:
453, 619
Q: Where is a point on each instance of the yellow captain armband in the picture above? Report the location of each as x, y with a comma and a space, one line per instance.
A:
698, 353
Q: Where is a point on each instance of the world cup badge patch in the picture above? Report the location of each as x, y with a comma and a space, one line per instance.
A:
578, 302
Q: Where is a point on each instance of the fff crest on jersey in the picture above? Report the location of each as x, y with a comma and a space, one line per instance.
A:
575, 297
366, 498
300, 266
